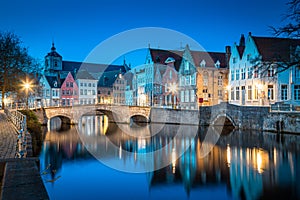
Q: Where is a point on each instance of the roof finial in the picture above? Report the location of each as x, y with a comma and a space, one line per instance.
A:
53, 47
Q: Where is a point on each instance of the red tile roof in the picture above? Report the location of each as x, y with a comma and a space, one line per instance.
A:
275, 49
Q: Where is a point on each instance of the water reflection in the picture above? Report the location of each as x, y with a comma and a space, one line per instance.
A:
243, 165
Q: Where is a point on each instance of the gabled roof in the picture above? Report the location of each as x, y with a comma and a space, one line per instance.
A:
84, 74
160, 56
210, 58
95, 70
275, 49
108, 78
52, 80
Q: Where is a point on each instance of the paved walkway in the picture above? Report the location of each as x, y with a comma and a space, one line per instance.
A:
8, 138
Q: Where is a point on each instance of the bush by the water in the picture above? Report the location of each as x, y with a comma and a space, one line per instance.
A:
34, 128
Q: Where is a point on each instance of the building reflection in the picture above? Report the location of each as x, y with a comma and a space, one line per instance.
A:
260, 166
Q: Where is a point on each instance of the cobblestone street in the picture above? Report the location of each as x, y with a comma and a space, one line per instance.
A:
8, 138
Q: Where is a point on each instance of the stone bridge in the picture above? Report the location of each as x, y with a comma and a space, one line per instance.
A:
116, 113
243, 117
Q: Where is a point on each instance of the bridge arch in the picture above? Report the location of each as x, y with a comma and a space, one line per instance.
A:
228, 120
139, 118
65, 119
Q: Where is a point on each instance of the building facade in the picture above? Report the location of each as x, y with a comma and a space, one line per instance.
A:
257, 75
69, 91
87, 87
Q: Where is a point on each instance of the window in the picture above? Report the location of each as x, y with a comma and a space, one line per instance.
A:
81, 92
205, 95
192, 96
55, 63
166, 87
67, 84
256, 71
234, 60
232, 94
85, 92
47, 92
284, 92
182, 96
188, 80
187, 66
297, 92
232, 74
108, 92
187, 95
297, 72
93, 92
203, 63
90, 85
63, 92
81, 84
182, 81
237, 74
53, 92
237, 93
170, 73
243, 72
93, 84
220, 80
71, 84
270, 92
256, 92
270, 72
220, 93
193, 79
249, 93
205, 78
249, 72
85, 84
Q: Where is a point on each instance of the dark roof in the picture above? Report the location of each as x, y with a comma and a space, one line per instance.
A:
84, 74
108, 78
160, 56
95, 70
52, 79
129, 77
210, 58
276, 49
240, 50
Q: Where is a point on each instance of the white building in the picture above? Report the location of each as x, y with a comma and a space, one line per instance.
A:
256, 72
87, 86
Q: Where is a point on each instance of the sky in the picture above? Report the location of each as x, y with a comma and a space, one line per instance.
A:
77, 27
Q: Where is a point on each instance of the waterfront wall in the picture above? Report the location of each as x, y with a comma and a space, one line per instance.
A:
288, 122
170, 116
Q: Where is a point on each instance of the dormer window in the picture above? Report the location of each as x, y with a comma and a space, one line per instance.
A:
217, 64
202, 63
187, 66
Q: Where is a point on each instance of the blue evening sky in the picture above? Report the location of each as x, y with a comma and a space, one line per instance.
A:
77, 27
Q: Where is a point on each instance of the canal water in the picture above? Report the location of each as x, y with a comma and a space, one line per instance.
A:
101, 160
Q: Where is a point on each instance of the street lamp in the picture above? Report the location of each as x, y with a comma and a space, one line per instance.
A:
27, 87
173, 90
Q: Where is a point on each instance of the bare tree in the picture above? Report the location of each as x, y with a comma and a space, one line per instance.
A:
14, 63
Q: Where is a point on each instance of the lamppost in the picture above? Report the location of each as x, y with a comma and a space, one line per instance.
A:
173, 90
27, 87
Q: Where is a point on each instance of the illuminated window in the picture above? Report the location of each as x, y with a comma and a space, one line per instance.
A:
249, 93
270, 92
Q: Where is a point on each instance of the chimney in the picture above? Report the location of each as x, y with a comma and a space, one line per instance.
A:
227, 54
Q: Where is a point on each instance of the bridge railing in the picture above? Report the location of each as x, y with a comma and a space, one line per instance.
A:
284, 108
20, 123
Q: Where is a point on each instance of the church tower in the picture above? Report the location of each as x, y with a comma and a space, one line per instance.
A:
53, 62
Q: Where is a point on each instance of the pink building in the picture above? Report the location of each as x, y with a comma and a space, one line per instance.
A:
69, 91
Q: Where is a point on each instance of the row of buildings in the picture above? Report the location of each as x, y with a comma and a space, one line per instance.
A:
249, 73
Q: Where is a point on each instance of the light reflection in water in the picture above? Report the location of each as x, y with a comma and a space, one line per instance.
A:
236, 167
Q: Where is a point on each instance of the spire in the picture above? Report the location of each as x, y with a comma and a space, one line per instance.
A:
53, 47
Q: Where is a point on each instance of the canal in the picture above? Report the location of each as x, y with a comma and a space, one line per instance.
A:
101, 160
